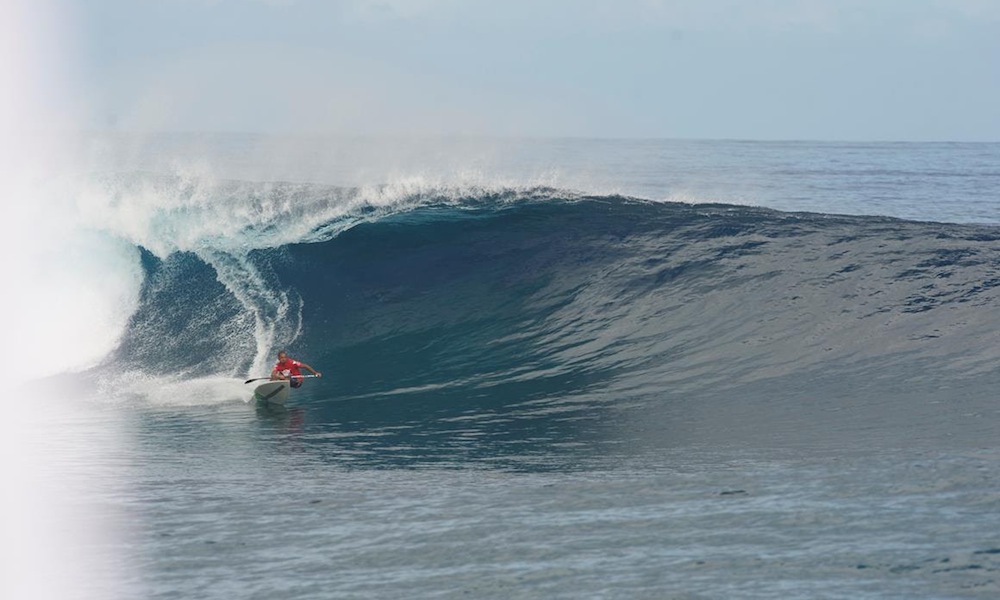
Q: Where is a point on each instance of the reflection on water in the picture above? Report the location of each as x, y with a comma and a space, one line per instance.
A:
280, 417
431, 431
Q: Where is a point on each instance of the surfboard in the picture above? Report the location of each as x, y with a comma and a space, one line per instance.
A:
275, 392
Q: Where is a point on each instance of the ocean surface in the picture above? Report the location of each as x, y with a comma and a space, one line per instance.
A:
563, 368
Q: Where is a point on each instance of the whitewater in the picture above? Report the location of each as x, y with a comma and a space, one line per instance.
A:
552, 368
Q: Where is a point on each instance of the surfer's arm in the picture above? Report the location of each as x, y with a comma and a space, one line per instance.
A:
311, 370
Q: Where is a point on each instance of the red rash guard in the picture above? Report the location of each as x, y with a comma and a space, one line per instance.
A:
288, 367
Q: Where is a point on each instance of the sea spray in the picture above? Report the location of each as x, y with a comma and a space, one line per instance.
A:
276, 312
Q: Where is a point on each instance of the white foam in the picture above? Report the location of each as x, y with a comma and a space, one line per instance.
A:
223, 221
277, 313
77, 219
163, 391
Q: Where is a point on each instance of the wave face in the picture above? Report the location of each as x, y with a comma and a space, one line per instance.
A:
537, 296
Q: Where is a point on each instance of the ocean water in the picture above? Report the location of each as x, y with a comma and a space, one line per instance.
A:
551, 369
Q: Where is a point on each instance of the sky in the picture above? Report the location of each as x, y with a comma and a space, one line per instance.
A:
912, 70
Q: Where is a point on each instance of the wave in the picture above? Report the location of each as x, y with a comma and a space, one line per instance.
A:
523, 295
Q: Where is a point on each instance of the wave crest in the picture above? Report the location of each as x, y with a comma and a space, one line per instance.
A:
537, 294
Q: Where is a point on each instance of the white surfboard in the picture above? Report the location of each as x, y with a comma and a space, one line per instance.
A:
275, 392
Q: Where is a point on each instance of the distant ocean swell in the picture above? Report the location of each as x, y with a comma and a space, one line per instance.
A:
537, 295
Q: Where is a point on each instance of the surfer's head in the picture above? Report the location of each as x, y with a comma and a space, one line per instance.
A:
282, 355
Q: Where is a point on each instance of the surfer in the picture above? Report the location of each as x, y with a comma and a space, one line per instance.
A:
288, 368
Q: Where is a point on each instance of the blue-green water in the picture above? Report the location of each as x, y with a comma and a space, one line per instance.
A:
543, 376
